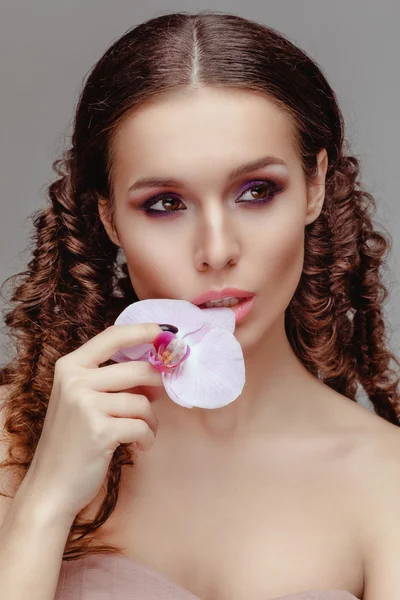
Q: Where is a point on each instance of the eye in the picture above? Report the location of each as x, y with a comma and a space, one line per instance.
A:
262, 192
166, 200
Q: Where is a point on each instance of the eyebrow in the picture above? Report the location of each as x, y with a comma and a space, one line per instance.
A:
265, 161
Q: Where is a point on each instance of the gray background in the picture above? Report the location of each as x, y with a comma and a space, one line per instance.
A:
47, 48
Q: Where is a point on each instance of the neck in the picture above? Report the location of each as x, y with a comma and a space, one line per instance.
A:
276, 391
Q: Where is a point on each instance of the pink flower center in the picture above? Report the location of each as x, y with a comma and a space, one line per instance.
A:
169, 352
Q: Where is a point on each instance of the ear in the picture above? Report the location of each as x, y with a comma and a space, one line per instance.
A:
316, 191
106, 220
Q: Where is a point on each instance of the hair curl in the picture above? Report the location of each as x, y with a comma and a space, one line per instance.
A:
75, 286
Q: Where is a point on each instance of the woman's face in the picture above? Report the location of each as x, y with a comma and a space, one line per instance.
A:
212, 231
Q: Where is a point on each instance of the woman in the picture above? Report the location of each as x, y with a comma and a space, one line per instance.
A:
292, 487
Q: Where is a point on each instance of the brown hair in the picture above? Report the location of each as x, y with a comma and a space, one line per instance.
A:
75, 286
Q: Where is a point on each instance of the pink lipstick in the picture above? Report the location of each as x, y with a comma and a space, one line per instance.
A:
241, 310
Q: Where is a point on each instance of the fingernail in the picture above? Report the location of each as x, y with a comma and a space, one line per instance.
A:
166, 327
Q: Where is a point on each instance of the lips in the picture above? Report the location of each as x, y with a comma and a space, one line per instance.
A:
241, 300
240, 310
220, 294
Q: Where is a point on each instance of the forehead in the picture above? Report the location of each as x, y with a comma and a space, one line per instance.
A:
210, 127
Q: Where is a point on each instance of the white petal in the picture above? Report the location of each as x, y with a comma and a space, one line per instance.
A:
213, 375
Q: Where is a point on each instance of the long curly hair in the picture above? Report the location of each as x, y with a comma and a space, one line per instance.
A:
76, 286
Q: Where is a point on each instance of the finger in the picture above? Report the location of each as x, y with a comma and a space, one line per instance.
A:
123, 376
105, 344
128, 406
127, 431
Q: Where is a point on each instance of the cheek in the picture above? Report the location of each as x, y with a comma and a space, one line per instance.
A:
283, 263
151, 267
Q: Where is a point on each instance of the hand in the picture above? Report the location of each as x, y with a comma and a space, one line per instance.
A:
88, 416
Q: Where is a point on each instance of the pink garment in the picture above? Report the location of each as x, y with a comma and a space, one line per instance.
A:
116, 577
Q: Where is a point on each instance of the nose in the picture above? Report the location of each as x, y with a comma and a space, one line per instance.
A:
217, 243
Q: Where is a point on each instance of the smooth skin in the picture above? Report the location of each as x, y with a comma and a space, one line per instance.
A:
291, 487
89, 415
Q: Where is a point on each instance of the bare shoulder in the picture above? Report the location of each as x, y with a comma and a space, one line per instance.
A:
367, 447
376, 473
378, 450
374, 442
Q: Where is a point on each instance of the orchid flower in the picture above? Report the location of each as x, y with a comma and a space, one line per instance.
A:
202, 364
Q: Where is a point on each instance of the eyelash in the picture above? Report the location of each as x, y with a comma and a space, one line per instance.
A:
274, 189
